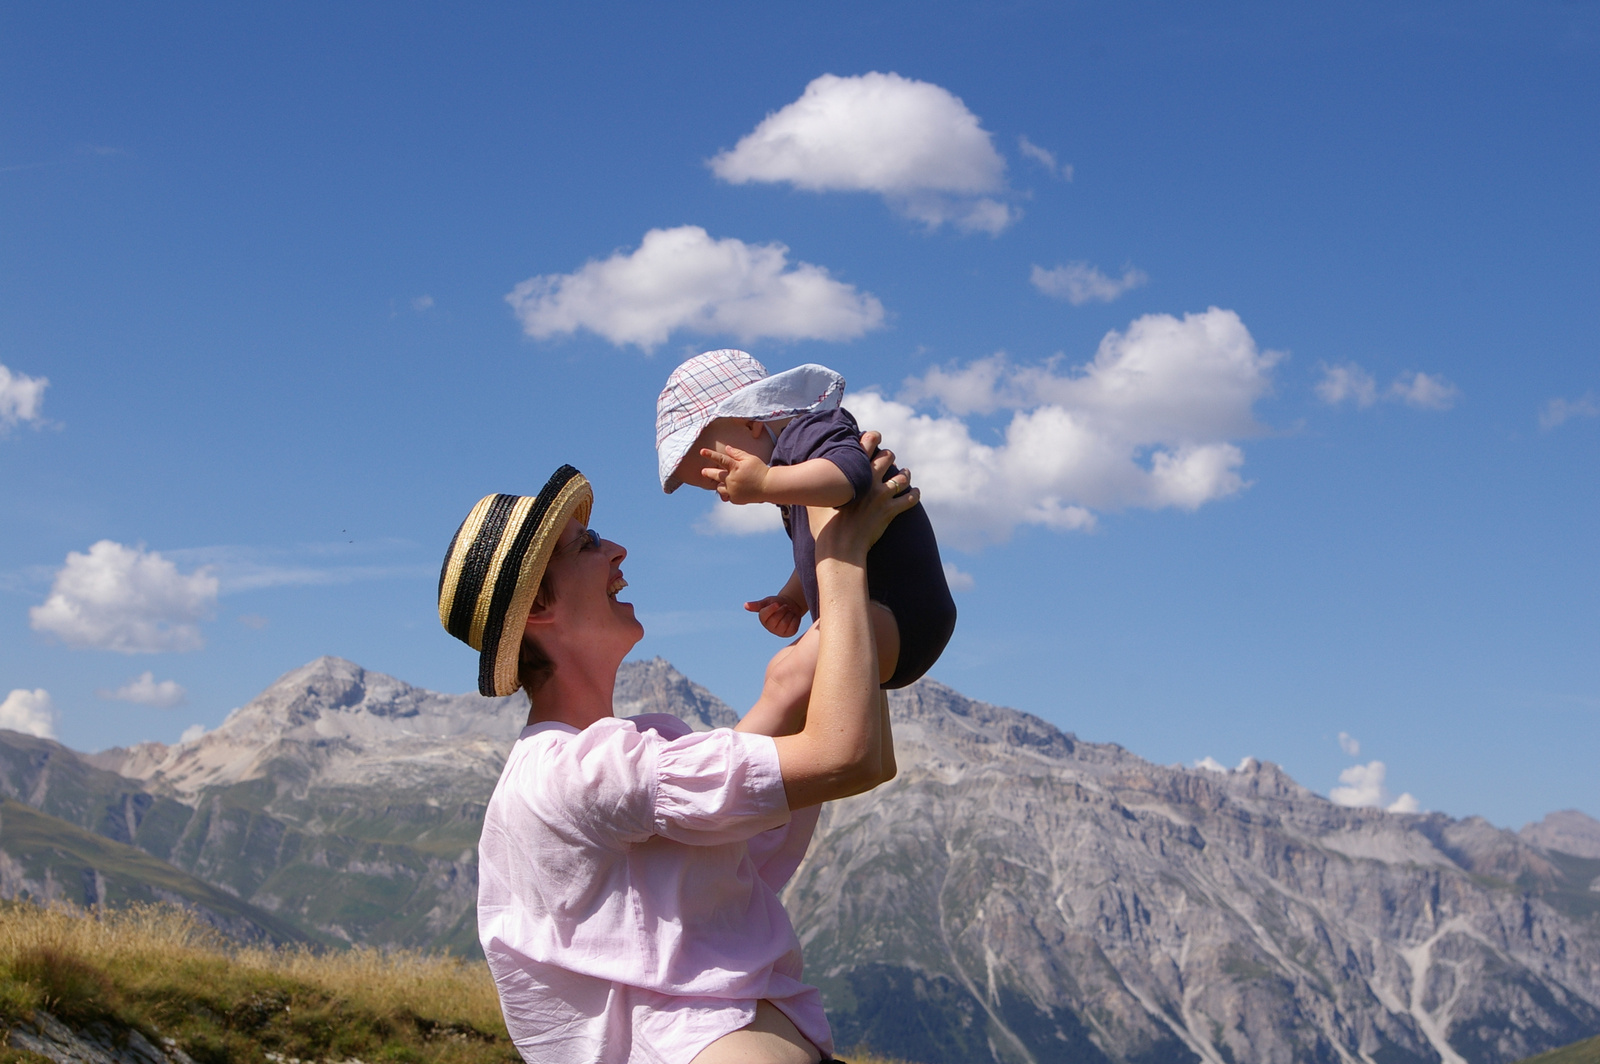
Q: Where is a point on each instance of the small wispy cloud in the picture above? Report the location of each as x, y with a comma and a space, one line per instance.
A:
1347, 382
726, 519
958, 580
1365, 786
1558, 412
21, 399
422, 303
1349, 744
191, 733
146, 690
1425, 391
249, 568
1211, 764
1044, 158
1079, 283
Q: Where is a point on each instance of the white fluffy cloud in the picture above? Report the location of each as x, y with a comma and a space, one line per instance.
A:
146, 690
1079, 283
21, 398
683, 279
29, 712
1349, 383
1363, 785
1349, 744
912, 142
126, 599
191, 733
1147, 423
1558, 412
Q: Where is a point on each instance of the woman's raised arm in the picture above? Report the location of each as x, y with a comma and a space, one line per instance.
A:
840, 750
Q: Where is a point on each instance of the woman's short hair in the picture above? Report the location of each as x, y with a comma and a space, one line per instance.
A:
534, 666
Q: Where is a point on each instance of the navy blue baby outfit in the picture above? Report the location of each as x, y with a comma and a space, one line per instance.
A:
903, 568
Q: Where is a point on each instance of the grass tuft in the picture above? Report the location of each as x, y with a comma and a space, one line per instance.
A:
160, 971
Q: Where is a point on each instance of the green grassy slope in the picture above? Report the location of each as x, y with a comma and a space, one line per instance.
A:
50, 859
1584, 1052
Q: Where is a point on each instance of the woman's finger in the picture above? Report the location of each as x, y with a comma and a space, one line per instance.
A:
870, 440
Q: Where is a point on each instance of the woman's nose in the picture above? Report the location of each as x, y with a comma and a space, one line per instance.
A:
618, 551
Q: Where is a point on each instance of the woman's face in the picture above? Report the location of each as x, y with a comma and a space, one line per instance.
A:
584, 577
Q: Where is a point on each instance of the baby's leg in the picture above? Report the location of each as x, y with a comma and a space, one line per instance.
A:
781, 709
886, 634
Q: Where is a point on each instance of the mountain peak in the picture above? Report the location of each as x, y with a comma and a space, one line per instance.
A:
1568, 831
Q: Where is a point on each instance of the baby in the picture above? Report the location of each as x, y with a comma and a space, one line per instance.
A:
724, 425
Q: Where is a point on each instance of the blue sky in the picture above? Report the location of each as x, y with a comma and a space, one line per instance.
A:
1246, 355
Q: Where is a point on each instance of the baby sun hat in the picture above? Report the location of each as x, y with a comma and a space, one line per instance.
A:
730, 383
493, 567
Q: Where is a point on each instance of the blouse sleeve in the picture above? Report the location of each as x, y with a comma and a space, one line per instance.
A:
718, 786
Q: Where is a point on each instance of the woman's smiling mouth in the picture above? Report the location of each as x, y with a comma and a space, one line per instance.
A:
616, 585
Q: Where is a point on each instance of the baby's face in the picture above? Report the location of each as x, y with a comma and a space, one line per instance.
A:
748, 436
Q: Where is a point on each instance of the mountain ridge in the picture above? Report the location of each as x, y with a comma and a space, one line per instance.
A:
1015, 895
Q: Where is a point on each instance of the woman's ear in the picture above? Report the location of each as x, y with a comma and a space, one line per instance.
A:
538, 617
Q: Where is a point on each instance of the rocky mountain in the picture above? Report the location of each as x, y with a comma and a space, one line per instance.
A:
1015, 895
1018, 895
1568, 831
343, 802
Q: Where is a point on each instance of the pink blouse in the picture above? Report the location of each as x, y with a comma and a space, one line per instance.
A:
627, 891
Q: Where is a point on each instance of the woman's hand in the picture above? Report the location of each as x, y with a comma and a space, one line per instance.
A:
848, 532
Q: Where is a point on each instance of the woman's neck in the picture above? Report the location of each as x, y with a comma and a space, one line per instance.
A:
574, 695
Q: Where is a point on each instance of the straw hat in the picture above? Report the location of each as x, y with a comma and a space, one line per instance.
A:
493, 567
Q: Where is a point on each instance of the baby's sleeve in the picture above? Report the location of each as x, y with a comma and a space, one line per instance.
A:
832, 435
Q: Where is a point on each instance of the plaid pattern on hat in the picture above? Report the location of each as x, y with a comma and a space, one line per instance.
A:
696, 387
729, 383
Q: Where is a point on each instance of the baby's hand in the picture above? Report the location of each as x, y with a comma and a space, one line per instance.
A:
740, 476
778, 615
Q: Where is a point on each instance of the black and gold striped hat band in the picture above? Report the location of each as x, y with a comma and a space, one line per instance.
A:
493, 568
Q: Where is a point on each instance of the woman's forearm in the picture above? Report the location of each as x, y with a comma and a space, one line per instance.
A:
839, 752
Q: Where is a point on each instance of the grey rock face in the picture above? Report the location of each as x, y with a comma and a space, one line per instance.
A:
1568, 831
97, 1044
1018, 895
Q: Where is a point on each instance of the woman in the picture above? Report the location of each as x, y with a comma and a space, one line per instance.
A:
629, 869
